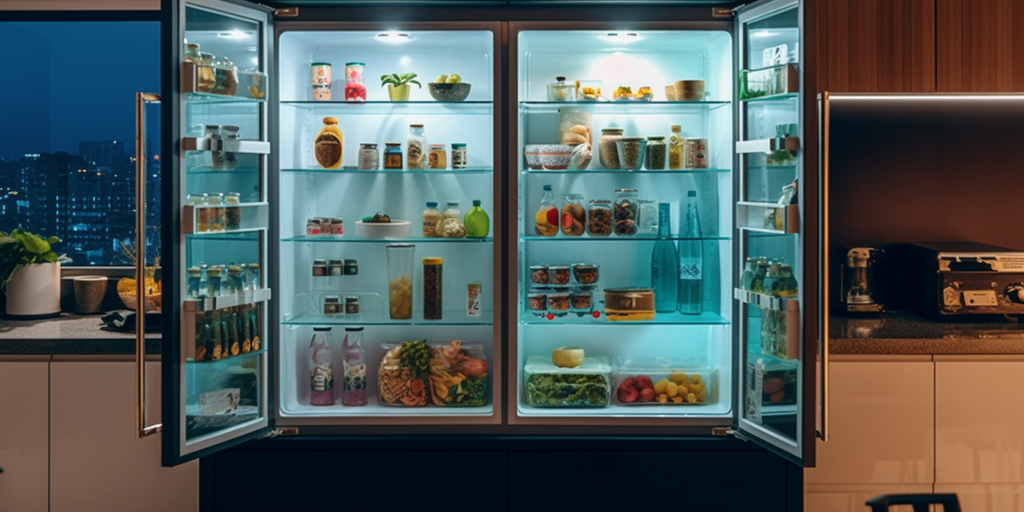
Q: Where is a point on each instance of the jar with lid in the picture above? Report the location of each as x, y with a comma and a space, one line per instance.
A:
459, 155
192, 52
599, 217
321, 368
654, 159
351, 304
319, 268
438, 158
337, 226
354, 88
332, 305
206, 79
329, 144
226, 74
314, 226
392, 155
354, 366
193, 282
431, 217
213, 281
607, 149
675, 148
369, 157
451, 225
561, 91
202, 214
336, 267
416, 148
432, 307
321, 74
233, 212
351, 267
624, 212
252, 276
234, 282
574, 216
226, 160
218, 213
647, 217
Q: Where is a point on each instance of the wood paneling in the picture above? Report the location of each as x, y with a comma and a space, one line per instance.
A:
878, 45
24, 436
980, 45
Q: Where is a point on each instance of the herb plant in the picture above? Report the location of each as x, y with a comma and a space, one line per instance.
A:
23, 248
399, 80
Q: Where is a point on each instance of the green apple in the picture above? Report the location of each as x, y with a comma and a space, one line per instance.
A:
454, 79
441, 79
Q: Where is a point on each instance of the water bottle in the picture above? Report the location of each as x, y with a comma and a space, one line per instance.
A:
690, 260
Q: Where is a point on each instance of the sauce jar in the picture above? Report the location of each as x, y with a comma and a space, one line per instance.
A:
314, 227
369, 157
332, 305
351, 268
459, 158
574, 216
319, 268
392, 155
624, 212
352, 305
337, 226
432, 272
354, 88
335, 267
657, 151
438, 158
599, 217
607, 149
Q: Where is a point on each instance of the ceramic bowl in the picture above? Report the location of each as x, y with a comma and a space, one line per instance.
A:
551, 157
448, 92
393, 229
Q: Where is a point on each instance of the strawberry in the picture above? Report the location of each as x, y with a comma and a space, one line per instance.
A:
553, 216
647, 395
643, 382
566, 221
627, 383
627, 394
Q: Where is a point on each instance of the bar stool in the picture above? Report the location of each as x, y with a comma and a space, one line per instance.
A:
920, 502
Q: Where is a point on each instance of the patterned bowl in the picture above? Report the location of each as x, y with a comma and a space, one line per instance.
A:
551, 157
448, 92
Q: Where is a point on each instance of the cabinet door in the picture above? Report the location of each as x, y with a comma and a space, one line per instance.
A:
97, 463
846, 498
881, 429
980, 45
986, 497
879, 45
979, 432
24, 445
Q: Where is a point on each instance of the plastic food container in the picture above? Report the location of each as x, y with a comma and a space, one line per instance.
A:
628, 304
585, 273
459, 375
252, 83
559, 275
539, 274
587, 385
400, 383
672, 382
538, 303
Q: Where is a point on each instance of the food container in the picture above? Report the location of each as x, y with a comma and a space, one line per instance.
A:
656, 154
588, 90
394, 229
539, 274
607, 149
631, 152
401, 375
585, 273
559, 275
587, 385
226, 77
581, 302
689, 90
574, 216
624, 212
628, 304
369, 157
355, 91
647, 217
558, 303
458, 375
599, 217
550, 157
252, 83
672, 381
321, 74
561, 91
695, 154
538, 303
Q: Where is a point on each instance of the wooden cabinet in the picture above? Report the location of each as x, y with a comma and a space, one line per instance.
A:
876, 45
980, 45
24, 448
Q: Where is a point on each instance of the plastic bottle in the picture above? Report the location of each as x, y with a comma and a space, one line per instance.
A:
329, 144
665, 265
321, 368
546, 219
431, 216
354, 393
477, 222
690, 260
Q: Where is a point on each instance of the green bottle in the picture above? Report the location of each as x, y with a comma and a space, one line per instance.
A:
478, 224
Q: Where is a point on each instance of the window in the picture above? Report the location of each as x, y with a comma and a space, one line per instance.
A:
67, 140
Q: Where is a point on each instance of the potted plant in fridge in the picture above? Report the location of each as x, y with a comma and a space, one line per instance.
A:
398, 85
29, 274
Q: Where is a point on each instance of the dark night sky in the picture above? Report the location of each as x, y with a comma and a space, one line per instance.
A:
65, 82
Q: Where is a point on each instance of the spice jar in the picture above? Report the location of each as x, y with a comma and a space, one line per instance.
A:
416, 148
599, 217
431, 216
539, 274
193, 281
319, 268
631, 152
332, 305
351, 267
352, 305
438, 158
607, 150
574, 216
217, 213
432, 288
213, 281
559, 274
337, 226
624, 212
392, 155
654, 159
335, 267
314, 226
233, 212
369, 158
192, 52
459, 155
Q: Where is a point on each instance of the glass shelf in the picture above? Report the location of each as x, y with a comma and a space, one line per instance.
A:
257, 147
421, 240
227, 301
705, 318
449, 317
474, 170
768, 145
653, 107
603, 239
623, 171
210, 170
230, 360
226, 236
766, 301
773, 168
773, 98
206, 98
392, 107
768, 217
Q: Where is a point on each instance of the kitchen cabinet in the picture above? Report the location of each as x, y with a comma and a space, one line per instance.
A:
877, 45
980, 45
24, 446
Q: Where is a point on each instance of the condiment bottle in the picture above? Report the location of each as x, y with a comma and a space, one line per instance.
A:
354, 393
477, 222
675, 148
329, 144
546, 218
431, 216
432, 288
321, 368
392, 155
438, 157
416, 148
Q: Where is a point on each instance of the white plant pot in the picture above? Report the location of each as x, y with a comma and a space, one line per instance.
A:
34, 290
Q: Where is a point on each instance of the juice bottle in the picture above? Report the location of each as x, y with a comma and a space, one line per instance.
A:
329, 144
477, 222
321, 368
355, 368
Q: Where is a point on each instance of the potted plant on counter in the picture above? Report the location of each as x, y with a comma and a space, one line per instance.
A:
29, 274
398, 85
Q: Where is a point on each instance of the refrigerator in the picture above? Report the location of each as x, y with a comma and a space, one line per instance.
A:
464, 352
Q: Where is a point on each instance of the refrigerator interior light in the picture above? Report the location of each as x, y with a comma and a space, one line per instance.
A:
763, 33
394, 37
621, 37
234, 34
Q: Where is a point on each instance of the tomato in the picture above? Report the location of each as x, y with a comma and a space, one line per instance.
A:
474, 367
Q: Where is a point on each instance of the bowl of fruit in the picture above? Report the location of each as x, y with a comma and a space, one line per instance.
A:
448, 88
381, 225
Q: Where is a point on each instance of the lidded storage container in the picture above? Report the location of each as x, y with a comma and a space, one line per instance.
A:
587, 385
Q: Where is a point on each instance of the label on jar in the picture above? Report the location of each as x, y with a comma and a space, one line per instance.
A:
458, 157
322, 93
321, 74
695, 154
473, 297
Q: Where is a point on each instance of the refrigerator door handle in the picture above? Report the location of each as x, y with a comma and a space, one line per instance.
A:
141, 99
823, 262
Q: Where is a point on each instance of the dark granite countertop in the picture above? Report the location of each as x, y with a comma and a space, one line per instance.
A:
904, 333
69, 334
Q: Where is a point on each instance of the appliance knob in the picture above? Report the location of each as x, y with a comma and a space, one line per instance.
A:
1015, 292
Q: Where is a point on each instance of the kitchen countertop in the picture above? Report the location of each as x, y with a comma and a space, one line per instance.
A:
905, 333
69, 334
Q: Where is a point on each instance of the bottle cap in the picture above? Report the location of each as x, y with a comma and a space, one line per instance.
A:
691, 193
355, 328
547, 187
330, 120
415, 126
431, 204
476, 202
321, 329
433, 261
677, 128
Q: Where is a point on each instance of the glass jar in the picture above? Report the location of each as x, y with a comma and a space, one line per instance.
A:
226, 160
581, 302
432, 277
192, 52
252, 276
607, 150
322, 93
392, 155
321, 74
538, 303
574, 216
624, 212
438, 158
226, 76
332, 305
202, 214
233, 212
400, 266
355, 91
631, 152
205, 76
369, 157
561, 91
695, 154
647, 217
559, 275
416, 148
431, 217
337, 226
459, 155
319, 268
675, 148
352, 305
217, 213
654, 158
558, 303
336, 267
192, 283
539, 274
234, 283
213, 281
599, 217
314, 226
450, 225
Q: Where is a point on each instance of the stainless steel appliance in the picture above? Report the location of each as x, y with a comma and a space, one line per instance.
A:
859, 280
965, 278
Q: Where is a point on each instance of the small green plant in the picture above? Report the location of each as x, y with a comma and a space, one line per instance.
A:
23, 248
399, 80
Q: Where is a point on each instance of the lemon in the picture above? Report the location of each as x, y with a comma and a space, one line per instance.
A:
441, 79
454, 79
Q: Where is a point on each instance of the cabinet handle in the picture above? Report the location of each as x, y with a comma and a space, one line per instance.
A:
141, 99
823, 263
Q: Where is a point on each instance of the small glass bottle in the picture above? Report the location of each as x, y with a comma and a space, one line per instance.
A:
392, 155
354, 393
748, 274
369, 157
546, 218
416, 148
574, 216
195, 277
599, 217
691, 262
654, 158
252, 276
675, 148
431, 217
432, 307
624, 213
213, 281
477, 222
459, 155
218, 217
437, 159
233, 212
321, 368
234, 280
